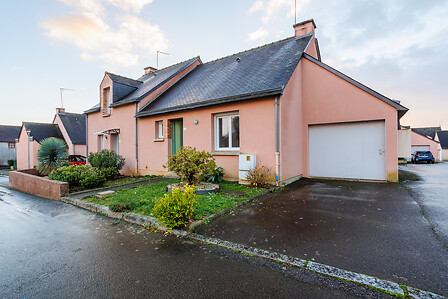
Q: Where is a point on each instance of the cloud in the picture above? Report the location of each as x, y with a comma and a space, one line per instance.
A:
271, 8
121, 43
258, 34
97, 6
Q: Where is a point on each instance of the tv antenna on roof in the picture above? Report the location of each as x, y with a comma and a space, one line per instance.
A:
295, 11
160, 52
61, 89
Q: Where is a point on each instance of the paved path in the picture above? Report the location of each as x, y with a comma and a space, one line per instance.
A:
372, 228
49, 249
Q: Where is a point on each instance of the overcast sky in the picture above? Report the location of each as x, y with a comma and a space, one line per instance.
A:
399, 48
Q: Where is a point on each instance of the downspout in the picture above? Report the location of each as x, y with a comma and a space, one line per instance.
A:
277, 152
136, 139
87, 136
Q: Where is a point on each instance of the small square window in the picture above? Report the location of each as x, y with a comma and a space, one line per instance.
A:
227, 132
11, 145
159, 129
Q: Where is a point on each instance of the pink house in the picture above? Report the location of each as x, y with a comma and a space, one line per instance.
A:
70, 127
277, 105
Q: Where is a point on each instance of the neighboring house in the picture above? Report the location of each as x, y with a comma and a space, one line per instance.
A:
277, 104
442, 138
73, 128
429, 132
8, 136
30, 136
424, 143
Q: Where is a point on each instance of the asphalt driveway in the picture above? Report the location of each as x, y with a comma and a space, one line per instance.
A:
372, 228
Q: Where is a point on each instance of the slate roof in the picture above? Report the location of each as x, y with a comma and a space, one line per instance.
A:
443, 139
40, 131
151, 81
9, 133
95, 108
253, 73
429, 132
75, 125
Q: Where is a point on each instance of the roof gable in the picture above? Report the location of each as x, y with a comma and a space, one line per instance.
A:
429, 132
75, 125
443, 139
40, 131
253, 73
9, 133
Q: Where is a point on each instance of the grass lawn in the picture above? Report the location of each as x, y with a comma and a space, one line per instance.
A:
114, 182
142, 198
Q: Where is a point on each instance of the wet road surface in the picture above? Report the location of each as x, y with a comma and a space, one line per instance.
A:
372, 228
49, 249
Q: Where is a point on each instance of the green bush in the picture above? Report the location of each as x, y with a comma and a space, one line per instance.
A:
78, 175
259, 177
176, 209
52, 154
188, 162
107, 159
121, 206
108, 173
214, 176
11, 162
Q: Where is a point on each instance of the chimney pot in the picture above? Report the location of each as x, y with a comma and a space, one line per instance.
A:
149, 70
304, 27
60, 110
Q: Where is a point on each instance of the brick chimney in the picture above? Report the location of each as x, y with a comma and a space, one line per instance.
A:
149, 70
60, 110
304, 27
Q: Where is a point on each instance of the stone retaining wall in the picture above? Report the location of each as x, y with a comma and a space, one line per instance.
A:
28, 181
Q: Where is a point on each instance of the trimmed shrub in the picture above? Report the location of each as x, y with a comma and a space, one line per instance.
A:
259, 177
78, 175
107, 159
108, 173
214, 176
176, 209
188, 162
52, 154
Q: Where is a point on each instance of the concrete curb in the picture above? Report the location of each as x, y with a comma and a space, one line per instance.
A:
382, 285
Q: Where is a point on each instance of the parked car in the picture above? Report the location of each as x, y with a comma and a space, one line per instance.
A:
422, 156
77, 160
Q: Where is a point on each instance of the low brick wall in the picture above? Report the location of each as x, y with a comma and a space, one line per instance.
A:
28, 181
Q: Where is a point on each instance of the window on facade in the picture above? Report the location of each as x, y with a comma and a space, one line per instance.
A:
106, 101
227, 132
115, 142
11, 145
159, 129
100, 142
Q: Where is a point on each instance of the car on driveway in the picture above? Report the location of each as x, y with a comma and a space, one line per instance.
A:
422, 156
77, 160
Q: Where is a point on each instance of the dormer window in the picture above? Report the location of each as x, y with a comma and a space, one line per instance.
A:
105, 107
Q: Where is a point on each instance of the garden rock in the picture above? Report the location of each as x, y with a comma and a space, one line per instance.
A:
105, 194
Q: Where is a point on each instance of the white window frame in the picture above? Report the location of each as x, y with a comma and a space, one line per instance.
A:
229, 117
159, 126
101, 142
115, 142
108, 100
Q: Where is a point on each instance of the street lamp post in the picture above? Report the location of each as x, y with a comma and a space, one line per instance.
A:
28, 133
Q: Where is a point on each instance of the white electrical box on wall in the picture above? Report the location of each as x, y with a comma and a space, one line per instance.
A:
246, 163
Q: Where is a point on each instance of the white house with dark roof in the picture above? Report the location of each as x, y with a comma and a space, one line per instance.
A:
8, 136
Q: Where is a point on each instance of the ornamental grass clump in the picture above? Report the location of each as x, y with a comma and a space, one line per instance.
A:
188, 162
259, 177
175, 210
52, 154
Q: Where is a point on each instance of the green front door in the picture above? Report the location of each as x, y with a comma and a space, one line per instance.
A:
176, 135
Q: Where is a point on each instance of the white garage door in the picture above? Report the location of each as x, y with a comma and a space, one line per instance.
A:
422, 148
351, 150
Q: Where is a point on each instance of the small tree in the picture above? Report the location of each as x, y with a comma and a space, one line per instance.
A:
188, 162
52, 154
